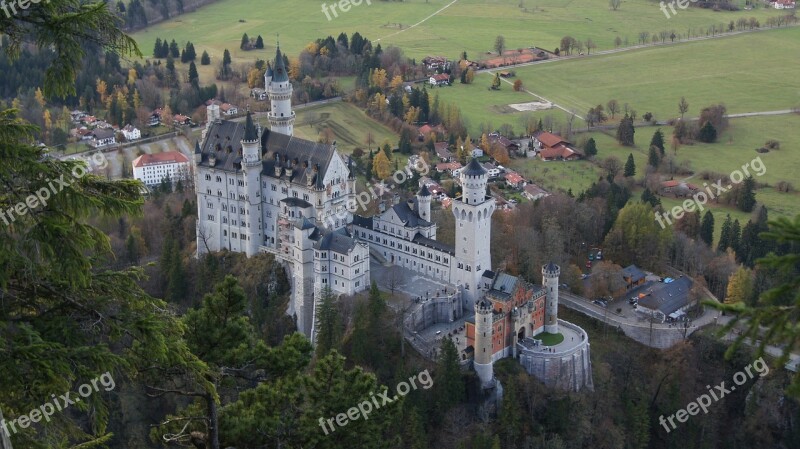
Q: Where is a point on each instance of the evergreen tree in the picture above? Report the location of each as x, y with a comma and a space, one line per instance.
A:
510, 416
590, 148
746, 200
194, 78
658, 141
329, 324
245, 42
725, 234
653, 157
157, 48
630, 167
448, 382
205, 59
626, 131
707, 133
259, 42
132, 253
649, 198
165, 49
735, 236
707, 228
174, 50
226, 58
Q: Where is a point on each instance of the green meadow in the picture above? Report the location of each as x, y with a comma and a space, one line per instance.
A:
466, 25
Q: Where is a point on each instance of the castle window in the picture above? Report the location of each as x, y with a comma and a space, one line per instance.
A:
208, 177
224, 232
274, 187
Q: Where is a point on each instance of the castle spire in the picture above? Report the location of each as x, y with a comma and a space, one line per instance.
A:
250, 131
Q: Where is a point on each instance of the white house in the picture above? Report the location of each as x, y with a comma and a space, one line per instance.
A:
102, 137
441, 79
131, 133
152, 169
229, 109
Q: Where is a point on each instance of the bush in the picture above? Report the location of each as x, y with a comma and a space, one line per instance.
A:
772, 144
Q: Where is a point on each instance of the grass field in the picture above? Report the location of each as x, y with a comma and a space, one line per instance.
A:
467, 25
748, 73
350, 126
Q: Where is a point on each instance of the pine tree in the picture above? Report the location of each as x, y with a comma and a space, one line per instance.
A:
653, 157
747, 196
735, 236
259, 42
226, 58
245, 42
630, 166
448, 382
725, 234
590, 148
165, 49
174, 50
329, 324
205, 59
626, 131
707, 133
157, 48
658, 141
707, 228
194, 78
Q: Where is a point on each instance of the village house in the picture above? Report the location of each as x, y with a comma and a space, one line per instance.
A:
229, 109
783, 4
514, 180
666, 301
450, 167
677, 188
131, 133
259, 94
180, 119
443, 151
551, 147
155, 118
441, 79
533, 192
492, 170
435, 62
102, 137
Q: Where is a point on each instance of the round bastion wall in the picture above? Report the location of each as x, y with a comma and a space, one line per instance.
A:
568, 367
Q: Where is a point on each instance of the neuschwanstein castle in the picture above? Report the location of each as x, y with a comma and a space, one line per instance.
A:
264, 190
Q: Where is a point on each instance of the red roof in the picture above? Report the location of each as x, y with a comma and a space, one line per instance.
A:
550, 139
448, 166
670, 183
513, 178
425, 130
169, 157
557, 151
441, 77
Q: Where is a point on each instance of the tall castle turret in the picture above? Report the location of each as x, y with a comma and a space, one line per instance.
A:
251, 165
550, 273
424, 198
473, 214
483, 341
279, 89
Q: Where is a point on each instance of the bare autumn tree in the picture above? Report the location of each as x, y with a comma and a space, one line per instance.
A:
683, 106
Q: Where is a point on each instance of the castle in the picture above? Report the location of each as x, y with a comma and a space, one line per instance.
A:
268, 191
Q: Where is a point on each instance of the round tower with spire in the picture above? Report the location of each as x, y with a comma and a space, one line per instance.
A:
251, 166
279, 88
483, 342
550, 273
424, 198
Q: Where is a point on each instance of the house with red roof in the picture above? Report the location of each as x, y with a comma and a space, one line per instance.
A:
551, 147
441, 79
152, 169
515, 180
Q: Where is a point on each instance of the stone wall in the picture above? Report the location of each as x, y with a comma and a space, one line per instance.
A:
568, 370
442, 309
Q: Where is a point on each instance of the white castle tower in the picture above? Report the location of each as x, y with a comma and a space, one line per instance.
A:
483, 342
279, 89
424, 198
473, 215
550, 274
251, 165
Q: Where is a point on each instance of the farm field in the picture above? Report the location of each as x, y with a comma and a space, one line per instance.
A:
654, 79
466, 25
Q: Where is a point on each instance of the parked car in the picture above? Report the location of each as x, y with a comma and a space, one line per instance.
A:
600, 302
588, 264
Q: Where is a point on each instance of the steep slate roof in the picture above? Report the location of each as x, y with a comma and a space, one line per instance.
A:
279, 74
338, 241
303, 224
250, 131
364, 222
228, 133
409, 217
424, 191
503, 285
474, 168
